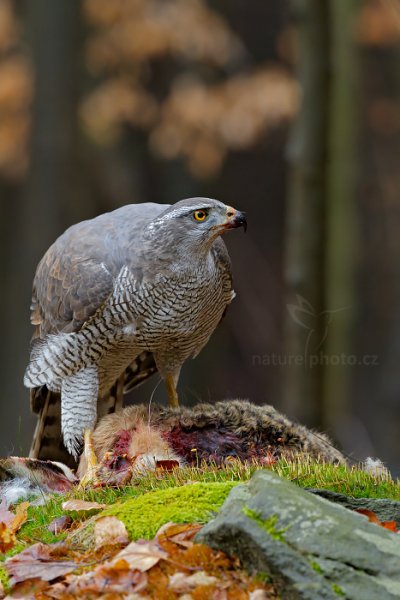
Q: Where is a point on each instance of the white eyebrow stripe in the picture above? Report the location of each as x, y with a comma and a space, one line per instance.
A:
183, 210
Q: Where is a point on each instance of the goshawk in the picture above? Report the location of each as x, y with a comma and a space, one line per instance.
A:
117, 297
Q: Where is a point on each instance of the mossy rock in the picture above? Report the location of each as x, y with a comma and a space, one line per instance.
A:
193, 503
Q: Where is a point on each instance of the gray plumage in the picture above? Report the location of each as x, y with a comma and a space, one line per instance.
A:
144, 280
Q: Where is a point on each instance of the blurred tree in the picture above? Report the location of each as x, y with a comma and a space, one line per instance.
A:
304, 316
321, 218
16, 91
341, 253
49, 197
177, 70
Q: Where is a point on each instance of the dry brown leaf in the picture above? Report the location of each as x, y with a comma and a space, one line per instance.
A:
10, 523
7, 538
219, 595
163, 530
31, 589
6, 516
110, 530
82, 505
181, 582
60, 524
141, 555
37, 562
372, 518
21, 515
116, 577
178, 533
258, 595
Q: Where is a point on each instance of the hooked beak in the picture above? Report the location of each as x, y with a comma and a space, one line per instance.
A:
235, 218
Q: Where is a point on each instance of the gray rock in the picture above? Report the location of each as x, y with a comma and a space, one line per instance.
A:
385, 510
312, 548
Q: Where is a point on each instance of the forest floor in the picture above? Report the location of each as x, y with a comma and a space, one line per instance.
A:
137, 541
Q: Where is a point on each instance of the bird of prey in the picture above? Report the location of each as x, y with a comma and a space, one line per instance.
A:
117, 297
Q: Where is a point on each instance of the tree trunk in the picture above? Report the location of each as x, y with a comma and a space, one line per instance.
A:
50, 199
341, 221
304, 260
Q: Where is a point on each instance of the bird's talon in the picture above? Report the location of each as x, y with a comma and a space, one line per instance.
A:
90, 475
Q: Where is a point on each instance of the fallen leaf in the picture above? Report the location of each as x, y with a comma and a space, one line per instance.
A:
390, 525
163, 529
372, 518
21, 515
181, 582
79, 505
258, 595
110, 530
180, 534
219, 595
60, 524
6, 516
7, 538
141, 555
10, 523
37, 562
28, 590
116, 577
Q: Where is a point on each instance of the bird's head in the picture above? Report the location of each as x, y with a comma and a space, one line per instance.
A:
196, 222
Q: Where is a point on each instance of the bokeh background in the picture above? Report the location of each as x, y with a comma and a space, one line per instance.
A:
288, 110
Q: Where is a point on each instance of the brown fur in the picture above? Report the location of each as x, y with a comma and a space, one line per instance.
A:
261, 427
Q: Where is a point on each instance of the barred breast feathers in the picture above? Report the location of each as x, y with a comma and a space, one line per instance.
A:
60, 355
145, 312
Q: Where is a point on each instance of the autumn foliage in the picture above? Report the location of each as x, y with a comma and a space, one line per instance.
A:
170, 566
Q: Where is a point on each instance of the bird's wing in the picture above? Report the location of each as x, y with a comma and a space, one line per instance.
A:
73, 279
77, 273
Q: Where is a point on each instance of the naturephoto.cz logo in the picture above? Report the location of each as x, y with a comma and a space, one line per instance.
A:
316, 327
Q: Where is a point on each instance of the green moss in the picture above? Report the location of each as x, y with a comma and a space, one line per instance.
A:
303, 471
196, 502
316, 567
269, 525
262, 577
4, 578
337, 589
351, 481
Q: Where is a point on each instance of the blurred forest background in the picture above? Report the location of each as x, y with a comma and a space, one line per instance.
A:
289, 110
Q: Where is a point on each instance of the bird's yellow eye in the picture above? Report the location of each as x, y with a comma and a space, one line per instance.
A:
200, 215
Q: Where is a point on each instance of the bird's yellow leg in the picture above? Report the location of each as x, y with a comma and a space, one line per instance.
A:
173, 399
90, 475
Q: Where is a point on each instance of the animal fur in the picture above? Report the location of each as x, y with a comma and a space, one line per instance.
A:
205, 432
25, 477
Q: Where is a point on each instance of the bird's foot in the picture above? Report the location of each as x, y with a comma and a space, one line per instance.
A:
89, 477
